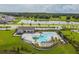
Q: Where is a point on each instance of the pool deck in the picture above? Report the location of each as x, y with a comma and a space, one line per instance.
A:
28, 37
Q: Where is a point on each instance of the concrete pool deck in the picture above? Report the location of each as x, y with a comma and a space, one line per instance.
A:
28, 37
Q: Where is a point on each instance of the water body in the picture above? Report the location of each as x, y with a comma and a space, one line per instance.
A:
45, 36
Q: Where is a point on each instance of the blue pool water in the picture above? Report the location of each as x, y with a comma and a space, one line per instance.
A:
44, 36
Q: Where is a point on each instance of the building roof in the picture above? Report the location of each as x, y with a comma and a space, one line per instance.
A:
8, 18
3, 21
26, 28
19, 31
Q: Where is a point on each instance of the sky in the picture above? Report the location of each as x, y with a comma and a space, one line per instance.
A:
47, 8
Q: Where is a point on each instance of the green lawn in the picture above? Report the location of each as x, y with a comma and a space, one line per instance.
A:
73, 38
71, 35
9, 42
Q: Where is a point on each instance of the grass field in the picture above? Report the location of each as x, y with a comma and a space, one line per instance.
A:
10, 43
71, 35
73, 38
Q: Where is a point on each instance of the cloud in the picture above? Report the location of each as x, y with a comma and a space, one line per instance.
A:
52, 8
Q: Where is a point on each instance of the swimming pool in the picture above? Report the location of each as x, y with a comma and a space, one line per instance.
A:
44, 36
